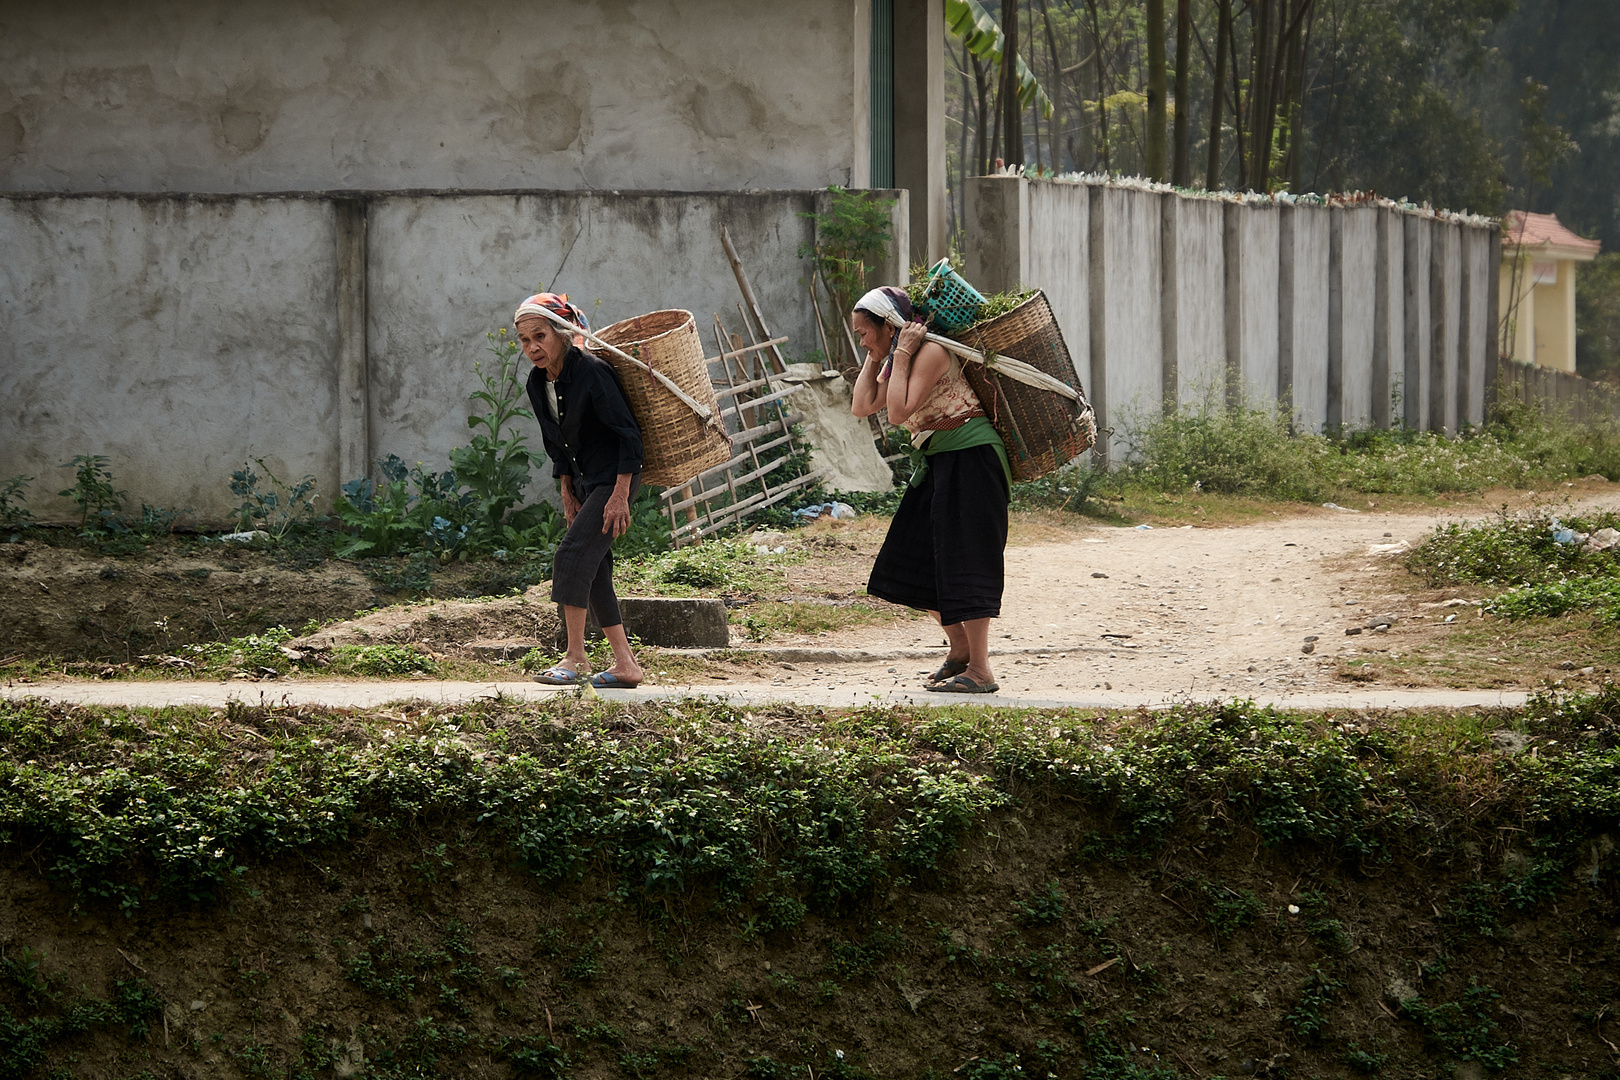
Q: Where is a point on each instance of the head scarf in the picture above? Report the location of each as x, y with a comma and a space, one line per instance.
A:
887, 304
557, 304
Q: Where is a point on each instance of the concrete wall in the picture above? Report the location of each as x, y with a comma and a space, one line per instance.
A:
181, 336
1352, 315
1253, 273
1127, 344
1194, 327
1303, 305
1355, 313
210, 95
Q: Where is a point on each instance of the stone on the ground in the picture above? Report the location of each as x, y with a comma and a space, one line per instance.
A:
696, 622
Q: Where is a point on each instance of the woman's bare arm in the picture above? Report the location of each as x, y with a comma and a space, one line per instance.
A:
918, 366
869, 395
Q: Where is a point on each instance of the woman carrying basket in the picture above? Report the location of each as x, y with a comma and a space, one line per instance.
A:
944, 552
594, 444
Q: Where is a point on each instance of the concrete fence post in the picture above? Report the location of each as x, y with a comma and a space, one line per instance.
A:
1417, 245
997, 236
354, 451
1445, 297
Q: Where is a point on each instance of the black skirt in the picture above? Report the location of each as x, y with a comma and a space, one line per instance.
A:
945, 548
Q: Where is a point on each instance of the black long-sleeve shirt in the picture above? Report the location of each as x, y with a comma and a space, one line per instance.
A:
595, 437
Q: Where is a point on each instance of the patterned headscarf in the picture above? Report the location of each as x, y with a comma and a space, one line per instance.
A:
557, 304
885, 304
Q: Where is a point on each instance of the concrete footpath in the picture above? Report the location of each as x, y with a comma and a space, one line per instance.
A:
362, 694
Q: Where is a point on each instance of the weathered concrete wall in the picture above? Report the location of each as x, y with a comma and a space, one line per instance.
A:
1252, 272
210, 95
1127, 375
1354, 314
1194, 265
1415, 386
1061, 265
1445, 306
1389, 320
1476, 326
1302, 310
181, 336
1352, 311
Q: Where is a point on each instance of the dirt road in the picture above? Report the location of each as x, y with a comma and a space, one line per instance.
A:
1106, 617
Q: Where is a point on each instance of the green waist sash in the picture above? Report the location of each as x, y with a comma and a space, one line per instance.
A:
976, 432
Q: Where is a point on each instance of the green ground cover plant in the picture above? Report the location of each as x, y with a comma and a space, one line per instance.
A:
1545, 562
1246, 450
806, 838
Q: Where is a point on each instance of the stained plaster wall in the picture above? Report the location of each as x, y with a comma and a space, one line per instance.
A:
209, 95
178, 337
182, 336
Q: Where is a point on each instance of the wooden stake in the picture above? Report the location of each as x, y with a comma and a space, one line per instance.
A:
748, 294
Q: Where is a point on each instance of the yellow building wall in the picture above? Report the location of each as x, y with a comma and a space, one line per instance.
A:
1544, 318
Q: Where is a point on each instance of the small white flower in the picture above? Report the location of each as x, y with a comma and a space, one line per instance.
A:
1293, 909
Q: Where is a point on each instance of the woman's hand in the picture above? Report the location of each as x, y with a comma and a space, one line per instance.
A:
616, 514
570, 503
911, 338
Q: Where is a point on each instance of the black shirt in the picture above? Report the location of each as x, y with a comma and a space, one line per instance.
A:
597, 437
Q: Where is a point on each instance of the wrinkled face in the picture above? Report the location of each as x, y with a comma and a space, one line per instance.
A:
541, 342
873, 335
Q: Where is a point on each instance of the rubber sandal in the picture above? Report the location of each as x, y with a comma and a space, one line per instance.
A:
606, 680
558, 676
964, 685
949, 669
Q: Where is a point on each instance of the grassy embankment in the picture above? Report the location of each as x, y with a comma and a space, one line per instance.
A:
585, 889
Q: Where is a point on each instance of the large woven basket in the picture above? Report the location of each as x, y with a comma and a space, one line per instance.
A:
677, 443
1043, 430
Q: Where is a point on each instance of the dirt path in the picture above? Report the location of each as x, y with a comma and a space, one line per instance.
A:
1107, 617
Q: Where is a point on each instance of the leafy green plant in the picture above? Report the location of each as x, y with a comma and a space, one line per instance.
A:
1464, 1027
1315, 996
15, 518
93, 492
495, 465
1045, 906
380, 660
851, 239
277, 510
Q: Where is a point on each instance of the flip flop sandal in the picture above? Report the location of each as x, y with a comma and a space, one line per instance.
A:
606, 680
964, 685
558, 676
949, 669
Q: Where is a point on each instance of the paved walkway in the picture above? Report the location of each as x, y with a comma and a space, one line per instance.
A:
359, 694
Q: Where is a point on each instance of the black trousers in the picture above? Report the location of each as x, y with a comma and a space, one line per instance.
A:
946, 546
582, 568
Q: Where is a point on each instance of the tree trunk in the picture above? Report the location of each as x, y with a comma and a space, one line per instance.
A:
981, 127
1054, 127
1156, 113
1102, 85
1223, 42
1258, 143
1012, 124
1181, 174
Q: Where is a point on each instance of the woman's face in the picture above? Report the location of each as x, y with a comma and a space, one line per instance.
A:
873, 335
541, 343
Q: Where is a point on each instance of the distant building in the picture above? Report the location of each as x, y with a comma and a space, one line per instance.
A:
1538, 288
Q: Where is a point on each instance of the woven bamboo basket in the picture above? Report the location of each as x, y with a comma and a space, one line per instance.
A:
1043, 430
677, 443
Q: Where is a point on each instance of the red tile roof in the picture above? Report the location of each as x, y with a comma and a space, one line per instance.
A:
1535, 230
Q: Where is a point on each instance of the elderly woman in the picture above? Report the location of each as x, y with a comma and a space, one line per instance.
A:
944, 551
594, 444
